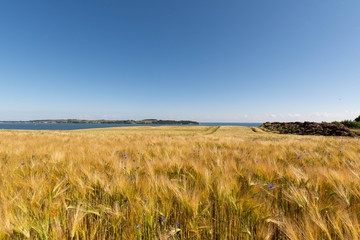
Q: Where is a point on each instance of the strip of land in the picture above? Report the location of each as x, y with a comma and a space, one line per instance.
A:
145, 121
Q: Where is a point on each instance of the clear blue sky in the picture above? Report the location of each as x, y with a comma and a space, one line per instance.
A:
204, 60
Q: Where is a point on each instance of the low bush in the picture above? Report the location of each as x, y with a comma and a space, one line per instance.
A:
351, 124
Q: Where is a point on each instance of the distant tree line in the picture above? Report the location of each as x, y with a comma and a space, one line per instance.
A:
146, 121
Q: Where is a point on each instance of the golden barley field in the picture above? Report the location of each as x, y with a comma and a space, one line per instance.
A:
190, 182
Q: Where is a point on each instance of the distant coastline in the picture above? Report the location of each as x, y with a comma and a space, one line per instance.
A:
145, 121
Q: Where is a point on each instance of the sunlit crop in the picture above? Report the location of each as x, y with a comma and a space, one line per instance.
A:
178, 182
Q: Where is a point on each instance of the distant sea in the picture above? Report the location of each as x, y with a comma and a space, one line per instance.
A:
74, 126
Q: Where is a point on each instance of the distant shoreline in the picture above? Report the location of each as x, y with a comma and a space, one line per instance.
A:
145, 121
77, 126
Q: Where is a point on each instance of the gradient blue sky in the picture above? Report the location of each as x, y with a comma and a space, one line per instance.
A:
204, 60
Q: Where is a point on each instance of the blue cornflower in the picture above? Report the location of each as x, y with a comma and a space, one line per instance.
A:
137, 167
145, 200
299, 157
138, 227
303, 170
124, 155
125, 200
271, 186
33, 156
177, 224
163, 219
117, 151
257, 161
124, 167
22, 163
340, 151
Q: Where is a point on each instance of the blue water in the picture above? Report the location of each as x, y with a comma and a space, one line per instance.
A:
74, 126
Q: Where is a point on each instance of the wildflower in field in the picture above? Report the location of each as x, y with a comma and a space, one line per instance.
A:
137, 167
124, 167
52, 214
33, 156
257, 161
299, 157
124, 155
125, 200
145, 200
177, 224
340, 151
303, 170
163, 219
138, 227
271, 186
117, 151
22, 163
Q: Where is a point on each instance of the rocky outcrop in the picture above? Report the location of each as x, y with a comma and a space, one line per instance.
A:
310, 128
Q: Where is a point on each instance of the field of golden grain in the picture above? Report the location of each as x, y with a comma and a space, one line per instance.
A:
188, 182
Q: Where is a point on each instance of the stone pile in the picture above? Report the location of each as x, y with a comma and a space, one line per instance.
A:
310, 128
